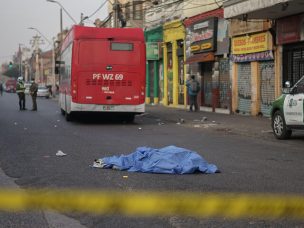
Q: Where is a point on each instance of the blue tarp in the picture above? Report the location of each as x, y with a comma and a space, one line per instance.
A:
170, 159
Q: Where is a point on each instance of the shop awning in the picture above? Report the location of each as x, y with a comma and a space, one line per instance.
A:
203, 57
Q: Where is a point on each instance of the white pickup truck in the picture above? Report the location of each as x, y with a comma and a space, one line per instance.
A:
287, 111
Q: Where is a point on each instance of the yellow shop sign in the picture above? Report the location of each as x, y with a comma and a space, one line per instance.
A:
206, 46
195, 48
252, 43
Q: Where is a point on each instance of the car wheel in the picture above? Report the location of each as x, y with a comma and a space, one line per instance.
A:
279, 126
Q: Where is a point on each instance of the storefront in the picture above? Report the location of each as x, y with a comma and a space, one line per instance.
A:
154, 68
290, 36
254, 77
207, 48
173, 54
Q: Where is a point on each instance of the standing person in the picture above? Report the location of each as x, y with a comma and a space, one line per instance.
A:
50, 90
20, 88
1, 88
193, 87
33, 92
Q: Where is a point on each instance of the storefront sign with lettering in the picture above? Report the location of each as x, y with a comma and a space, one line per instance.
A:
252, 43
253, 57
202, 36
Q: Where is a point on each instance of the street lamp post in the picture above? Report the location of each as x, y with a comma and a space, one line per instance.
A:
53, 55
20, 60
37, 30
61, 31
63, 10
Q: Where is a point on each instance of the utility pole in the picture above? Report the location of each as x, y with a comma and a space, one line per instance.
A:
20, 60
61, 26
42, 78
81, 19
36, 42
53, 68
115, 10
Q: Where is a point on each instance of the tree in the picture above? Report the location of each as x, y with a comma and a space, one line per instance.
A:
13, 70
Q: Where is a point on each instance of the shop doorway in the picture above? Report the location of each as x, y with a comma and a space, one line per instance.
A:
151, 80
293, 62
170, 73
206, 83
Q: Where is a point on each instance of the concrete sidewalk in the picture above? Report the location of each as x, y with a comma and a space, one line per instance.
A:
234, 123
220, 122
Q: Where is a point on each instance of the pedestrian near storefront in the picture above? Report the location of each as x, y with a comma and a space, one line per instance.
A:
33, 92
1, 88
20, 88
193, 88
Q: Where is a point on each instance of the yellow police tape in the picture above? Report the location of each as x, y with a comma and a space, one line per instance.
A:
266, 206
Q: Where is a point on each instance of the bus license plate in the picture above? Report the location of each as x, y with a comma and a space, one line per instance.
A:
107, 108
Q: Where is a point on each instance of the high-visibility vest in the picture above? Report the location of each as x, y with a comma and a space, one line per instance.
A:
20, 87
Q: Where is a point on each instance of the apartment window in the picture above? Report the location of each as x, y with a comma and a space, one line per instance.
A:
137, 10
128, 11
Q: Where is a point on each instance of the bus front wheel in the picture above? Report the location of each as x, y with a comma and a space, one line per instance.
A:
130, 118
62, 111
68, 116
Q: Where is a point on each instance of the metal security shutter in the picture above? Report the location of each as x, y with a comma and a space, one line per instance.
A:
293, 59
207, 84
267, 86
208, 90
151, 80
244, 88
224, 87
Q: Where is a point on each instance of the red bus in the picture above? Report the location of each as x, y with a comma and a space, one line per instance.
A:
103, 70
10, 85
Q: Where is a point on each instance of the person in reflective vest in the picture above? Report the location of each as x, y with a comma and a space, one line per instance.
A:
20, 88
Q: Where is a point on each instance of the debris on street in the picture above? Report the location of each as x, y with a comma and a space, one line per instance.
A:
60, 153
204, 119
180, 121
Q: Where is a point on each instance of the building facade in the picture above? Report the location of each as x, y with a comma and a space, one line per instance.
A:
267, 50
253, 58
171, 15
125, 13
207, 49
154, 68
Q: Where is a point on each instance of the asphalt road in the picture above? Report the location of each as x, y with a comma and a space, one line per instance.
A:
29, 141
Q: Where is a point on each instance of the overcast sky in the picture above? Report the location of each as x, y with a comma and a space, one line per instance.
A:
17, 15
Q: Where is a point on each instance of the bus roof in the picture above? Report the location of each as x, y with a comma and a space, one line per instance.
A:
82, 32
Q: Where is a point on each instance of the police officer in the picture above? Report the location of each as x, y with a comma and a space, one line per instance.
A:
20, 88
33, 92
1, 88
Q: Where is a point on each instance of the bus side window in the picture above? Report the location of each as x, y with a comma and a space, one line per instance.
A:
57, 69
58, 66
